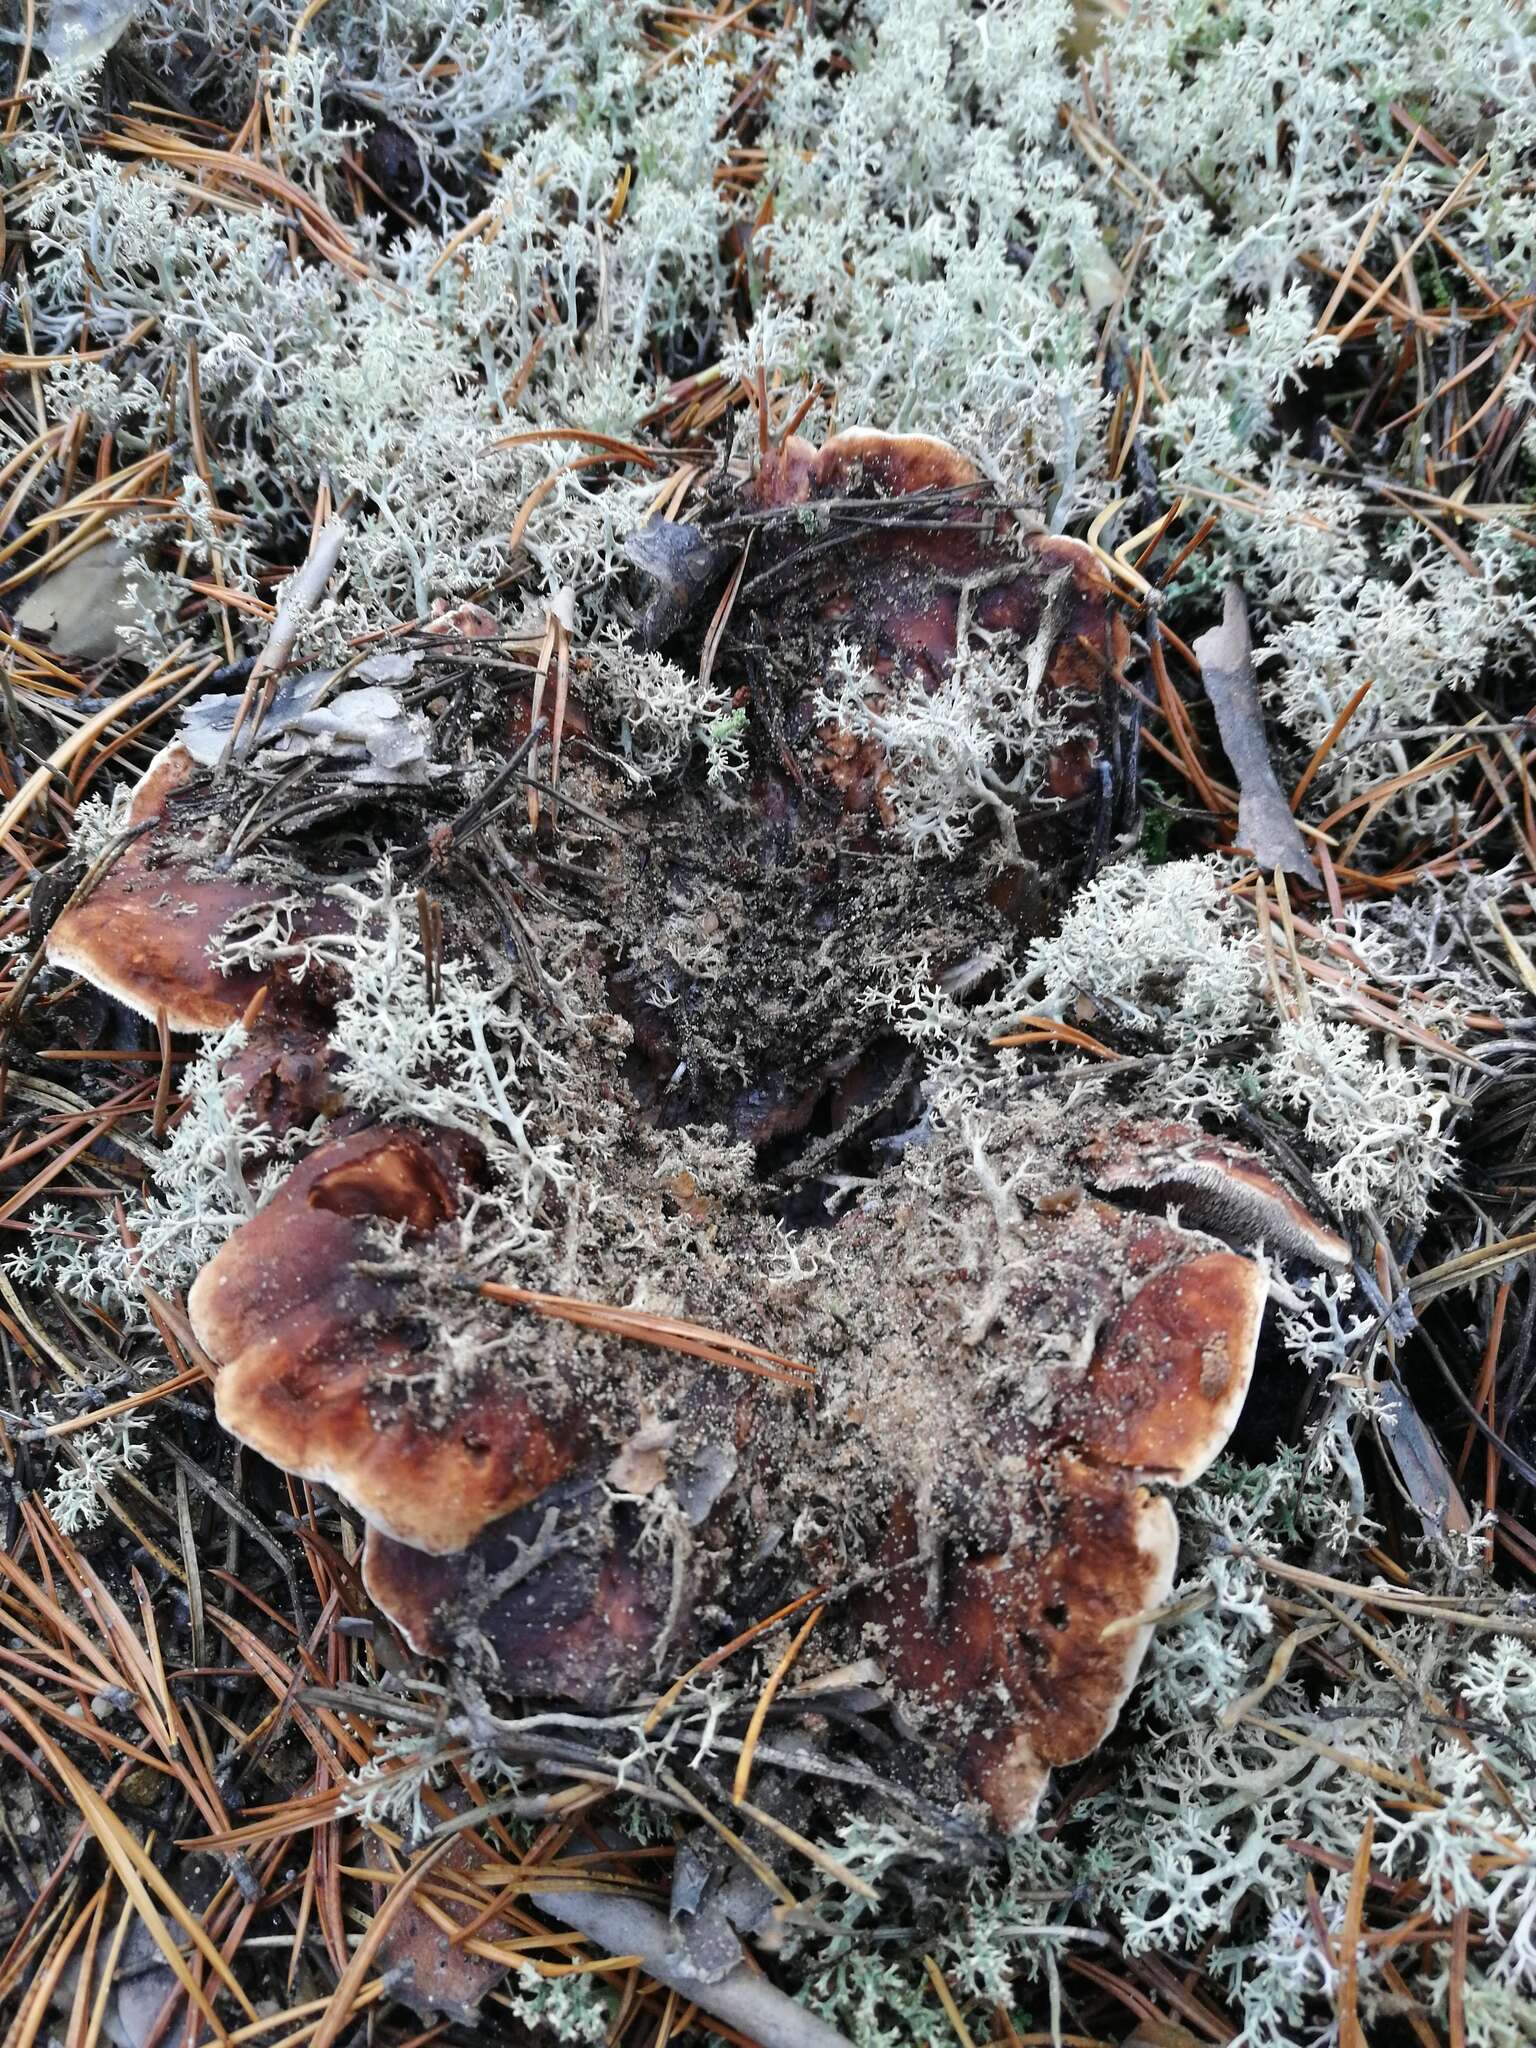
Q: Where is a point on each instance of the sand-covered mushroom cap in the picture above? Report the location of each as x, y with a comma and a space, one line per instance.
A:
326, 1367
993, 1466
1002, 1384
1035, 1648
1026, 1555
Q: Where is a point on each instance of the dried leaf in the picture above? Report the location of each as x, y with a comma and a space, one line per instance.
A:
78, 610
1425, 1476
428, 1971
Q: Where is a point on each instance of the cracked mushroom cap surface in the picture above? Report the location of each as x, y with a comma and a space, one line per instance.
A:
327, 1368
146, 931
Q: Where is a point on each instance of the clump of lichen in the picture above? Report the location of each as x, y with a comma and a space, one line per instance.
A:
1257, 155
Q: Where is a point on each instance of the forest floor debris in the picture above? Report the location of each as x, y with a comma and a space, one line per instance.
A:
706, 525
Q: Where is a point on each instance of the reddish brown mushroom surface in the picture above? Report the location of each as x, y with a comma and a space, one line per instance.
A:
558, 1600
1000, 1389
1021, 1633
1016, 1547
567, 1597
147, 930
745, 935
285, 1077
1166, 1382
1031, 1655
928, 563
326, 1367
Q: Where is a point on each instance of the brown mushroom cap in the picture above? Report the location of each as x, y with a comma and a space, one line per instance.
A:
505, 1538
868, 461
558, 1599
501, 1533
1171, 1369
1222, 1187
897, 585
1036, 1648
1112, 1565
1025, 1636
563, 1599
144, 933
320, 1363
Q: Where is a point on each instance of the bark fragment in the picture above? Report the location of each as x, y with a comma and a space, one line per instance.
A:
1265, 826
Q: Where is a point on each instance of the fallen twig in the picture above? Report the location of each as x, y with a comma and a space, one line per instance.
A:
1265, 826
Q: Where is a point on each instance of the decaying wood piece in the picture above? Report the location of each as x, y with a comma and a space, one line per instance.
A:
1265, 826
744, 1999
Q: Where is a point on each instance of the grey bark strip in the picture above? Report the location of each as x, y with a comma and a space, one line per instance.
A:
626, 1927
1265, 826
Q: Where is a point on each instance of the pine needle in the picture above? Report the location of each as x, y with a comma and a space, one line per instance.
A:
666, 1333
765, 1701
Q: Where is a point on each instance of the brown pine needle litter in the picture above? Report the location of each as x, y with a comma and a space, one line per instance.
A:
337, 341
765, 1700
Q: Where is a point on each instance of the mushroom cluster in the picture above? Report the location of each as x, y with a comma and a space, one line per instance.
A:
960, 1413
